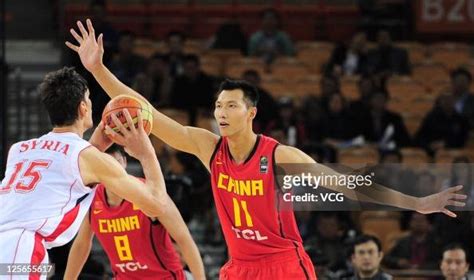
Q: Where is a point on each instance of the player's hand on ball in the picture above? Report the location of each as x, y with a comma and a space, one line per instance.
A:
134, 139
90, 49
99, 139
437, 202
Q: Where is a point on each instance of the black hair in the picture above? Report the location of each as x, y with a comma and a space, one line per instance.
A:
251, 72
98, 3
385, 154
250, 91
115, 148
160, 56
364, 239
127, 33
176, 33
456, 246
192, 58
461, 71
273, 12
61, 93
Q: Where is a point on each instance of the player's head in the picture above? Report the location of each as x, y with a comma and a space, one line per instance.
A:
454, 264
235, 107
366, 255
65, 95
117, 152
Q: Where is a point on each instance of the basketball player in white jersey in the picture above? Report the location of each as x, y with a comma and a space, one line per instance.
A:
46, 189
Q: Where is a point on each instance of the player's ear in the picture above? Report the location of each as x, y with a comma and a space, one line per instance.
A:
82, 110
253, 112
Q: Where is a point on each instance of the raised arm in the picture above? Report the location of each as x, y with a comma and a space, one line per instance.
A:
197, 141
80, 250
176, 227
98, 167
374, 193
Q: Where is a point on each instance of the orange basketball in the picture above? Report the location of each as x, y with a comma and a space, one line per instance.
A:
133, 105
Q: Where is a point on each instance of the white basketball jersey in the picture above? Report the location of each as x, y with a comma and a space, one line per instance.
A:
43, 190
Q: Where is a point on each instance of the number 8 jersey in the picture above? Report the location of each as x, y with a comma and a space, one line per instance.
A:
247, 202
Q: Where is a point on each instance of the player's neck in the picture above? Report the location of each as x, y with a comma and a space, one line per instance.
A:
241, 145
75, 128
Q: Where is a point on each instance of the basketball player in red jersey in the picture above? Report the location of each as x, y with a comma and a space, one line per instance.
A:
138, 246
263, 243
47, 189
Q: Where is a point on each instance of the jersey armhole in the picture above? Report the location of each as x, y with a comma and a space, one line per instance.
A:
274, 167
215, 151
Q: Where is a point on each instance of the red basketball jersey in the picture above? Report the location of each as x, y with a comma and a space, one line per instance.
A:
137, 247
247, 202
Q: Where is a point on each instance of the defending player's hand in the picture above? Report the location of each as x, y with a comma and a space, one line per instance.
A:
134, 139
99, 139
90, 49
437, 202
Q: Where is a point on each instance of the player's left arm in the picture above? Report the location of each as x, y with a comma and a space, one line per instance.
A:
375, 193
80, 250
176, 227
99, 139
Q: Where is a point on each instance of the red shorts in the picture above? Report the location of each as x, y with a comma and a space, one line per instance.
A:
292, 265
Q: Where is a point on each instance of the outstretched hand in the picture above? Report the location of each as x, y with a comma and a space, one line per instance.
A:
134, 139
439, 201
90, 49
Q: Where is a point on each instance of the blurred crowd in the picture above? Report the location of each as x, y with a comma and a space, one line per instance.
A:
322, 126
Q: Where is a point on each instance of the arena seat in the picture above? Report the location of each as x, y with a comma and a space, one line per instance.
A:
405, 88
430, 71
356, 156
380, 224
450, 54
416, 51
414, 156
448, 155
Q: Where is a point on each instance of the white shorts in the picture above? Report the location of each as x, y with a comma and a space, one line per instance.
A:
22, 251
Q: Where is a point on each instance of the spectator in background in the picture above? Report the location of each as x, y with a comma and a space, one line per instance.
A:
314, 116
454, 264
328, 238
418, 249
461, 174
443, 127
267, 107
426, 184
155, 83
126, 64
289, 123
464, 101
366, 257
175, 42
366, 87
384, 127
338, 127
270, 42
359, 109
388, 172
98, 15
349, 58
329, 84
229, 36
193, 90
180, 182
388, 59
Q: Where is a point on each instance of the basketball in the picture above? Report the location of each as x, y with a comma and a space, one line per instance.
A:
133, 105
